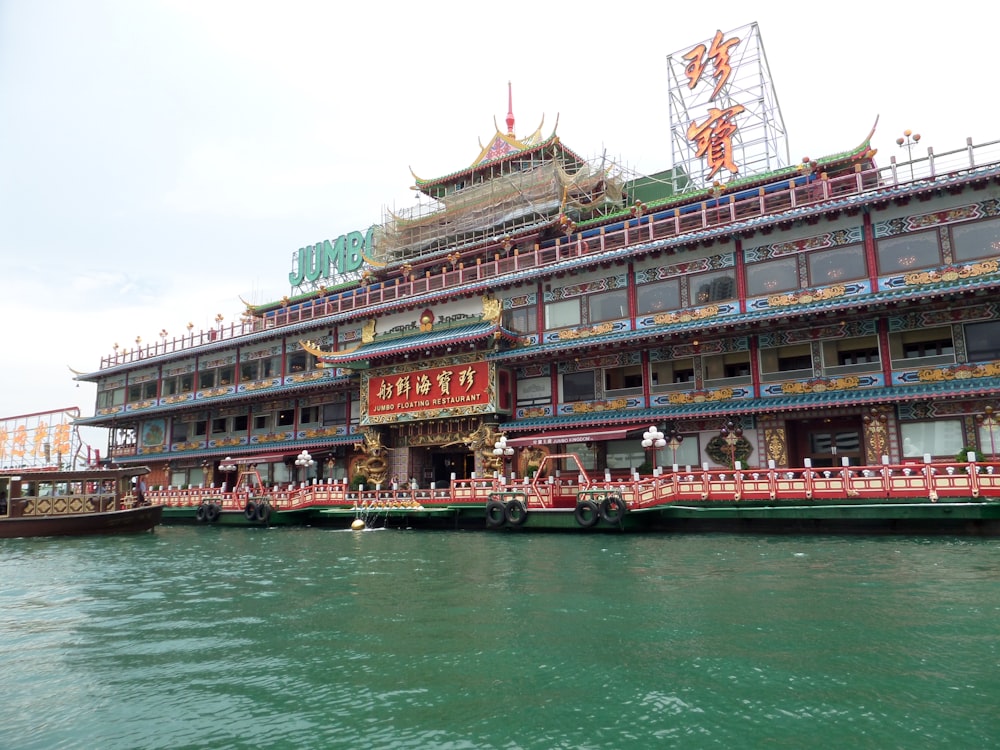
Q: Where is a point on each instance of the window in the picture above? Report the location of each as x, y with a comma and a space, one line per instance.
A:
608, 306
734, 365
839, 264
261, 422
778, 363
521, 319
300, 362
257, 369
179, 431
983, 341
201, 428
335, 414
308, 415
670, 375
629, 454
142, 391
942, 438
934, 344
713, 287
240, 423
219, 426
562, 314
772, 276
113, 397
908, 252
286, 417
178, 384
853, 355
623, 378
534, 391
979, 240
658, 297
579, 386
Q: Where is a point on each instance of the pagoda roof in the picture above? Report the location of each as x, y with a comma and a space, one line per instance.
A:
502, 147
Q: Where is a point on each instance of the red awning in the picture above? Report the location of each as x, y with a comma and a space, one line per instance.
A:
573, 436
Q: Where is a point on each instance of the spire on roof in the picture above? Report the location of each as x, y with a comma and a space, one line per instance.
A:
510, 110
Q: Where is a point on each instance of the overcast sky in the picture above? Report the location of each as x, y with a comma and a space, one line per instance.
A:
160, 160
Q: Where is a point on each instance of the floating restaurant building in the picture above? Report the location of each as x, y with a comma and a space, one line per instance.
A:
751, 309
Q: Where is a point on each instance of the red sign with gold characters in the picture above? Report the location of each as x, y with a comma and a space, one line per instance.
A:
451, 387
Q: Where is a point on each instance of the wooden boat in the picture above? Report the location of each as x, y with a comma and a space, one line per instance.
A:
53, 502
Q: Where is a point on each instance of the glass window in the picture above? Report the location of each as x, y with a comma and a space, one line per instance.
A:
608, 306
218, 426
983, 341
726, 366
286, 417
836, 265
979, 240
534, 391
674, 372
201, 427
179, 432
562, 314
586, 452
206, 379
521, 319
786, 359
860, 354
658, 296
308, 414
713, 287
300, 362
924, 343
335, 414
623, 378
261, 422
772, 276
941, 438
579, 386
240, 423
907, 252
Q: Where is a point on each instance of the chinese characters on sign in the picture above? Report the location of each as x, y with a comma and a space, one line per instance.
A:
718, 53
713, 137
438, 388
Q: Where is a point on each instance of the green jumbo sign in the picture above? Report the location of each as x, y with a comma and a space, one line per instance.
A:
329, 259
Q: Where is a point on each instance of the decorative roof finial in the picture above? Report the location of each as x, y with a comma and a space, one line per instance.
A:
510, 111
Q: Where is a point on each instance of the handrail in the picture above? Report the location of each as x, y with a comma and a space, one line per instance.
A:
708, 214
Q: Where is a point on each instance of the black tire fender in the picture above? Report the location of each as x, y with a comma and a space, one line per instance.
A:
496, 514
516, 512
613, 510
586, 513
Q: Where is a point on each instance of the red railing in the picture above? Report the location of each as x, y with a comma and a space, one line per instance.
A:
656, 226
849, 484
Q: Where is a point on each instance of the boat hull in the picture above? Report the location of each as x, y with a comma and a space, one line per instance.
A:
133, 520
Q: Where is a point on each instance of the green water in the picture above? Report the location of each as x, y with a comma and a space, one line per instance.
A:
302, 638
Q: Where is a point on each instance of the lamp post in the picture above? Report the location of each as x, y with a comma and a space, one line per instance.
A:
908, 140
652, 440
503, 452
304, 461
990, 422
731, 434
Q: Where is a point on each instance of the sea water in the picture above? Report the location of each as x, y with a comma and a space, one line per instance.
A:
204, 637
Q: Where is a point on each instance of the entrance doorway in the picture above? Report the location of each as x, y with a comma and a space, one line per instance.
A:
826, 441
445, 462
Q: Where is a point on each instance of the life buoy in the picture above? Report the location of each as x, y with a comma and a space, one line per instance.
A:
586, 513
263, 511
515, 512
250, 511
212, 513
613, 510
496, 514
202, 512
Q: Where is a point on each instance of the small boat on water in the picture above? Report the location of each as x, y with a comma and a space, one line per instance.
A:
56, 502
